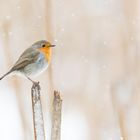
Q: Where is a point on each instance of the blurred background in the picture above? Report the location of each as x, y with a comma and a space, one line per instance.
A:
95, 65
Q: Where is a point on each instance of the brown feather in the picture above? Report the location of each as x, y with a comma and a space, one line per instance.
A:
29, 56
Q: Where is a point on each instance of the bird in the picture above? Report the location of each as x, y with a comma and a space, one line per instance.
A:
33, 61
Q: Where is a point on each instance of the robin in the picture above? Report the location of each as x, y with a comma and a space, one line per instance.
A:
33, 60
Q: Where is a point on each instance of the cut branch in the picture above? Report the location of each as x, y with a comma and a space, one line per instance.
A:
38, 122
56, 117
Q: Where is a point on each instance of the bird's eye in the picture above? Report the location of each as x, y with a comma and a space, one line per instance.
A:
43, 45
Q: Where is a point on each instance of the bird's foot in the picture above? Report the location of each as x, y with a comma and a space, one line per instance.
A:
35, 84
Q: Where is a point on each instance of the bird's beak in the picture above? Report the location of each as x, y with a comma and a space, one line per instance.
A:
53, 45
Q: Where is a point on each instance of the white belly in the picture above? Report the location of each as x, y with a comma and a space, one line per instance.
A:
37, 68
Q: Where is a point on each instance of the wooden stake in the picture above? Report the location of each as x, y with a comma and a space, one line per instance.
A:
56, 117
38, 122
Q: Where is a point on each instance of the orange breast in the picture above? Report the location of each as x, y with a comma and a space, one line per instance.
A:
46, 52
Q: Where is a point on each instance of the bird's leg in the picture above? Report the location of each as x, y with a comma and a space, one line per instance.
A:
35, 87
34, 83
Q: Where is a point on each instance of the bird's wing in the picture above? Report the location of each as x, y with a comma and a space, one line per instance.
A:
27, 57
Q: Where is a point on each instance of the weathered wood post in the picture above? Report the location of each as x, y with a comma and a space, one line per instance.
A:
38, 122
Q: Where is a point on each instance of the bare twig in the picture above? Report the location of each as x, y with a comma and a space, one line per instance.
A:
56, 116
38, 122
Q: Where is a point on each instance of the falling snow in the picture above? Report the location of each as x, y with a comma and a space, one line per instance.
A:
105, 23
18, 7
8, 17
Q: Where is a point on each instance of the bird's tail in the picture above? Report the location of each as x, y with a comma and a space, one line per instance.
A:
5, 75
